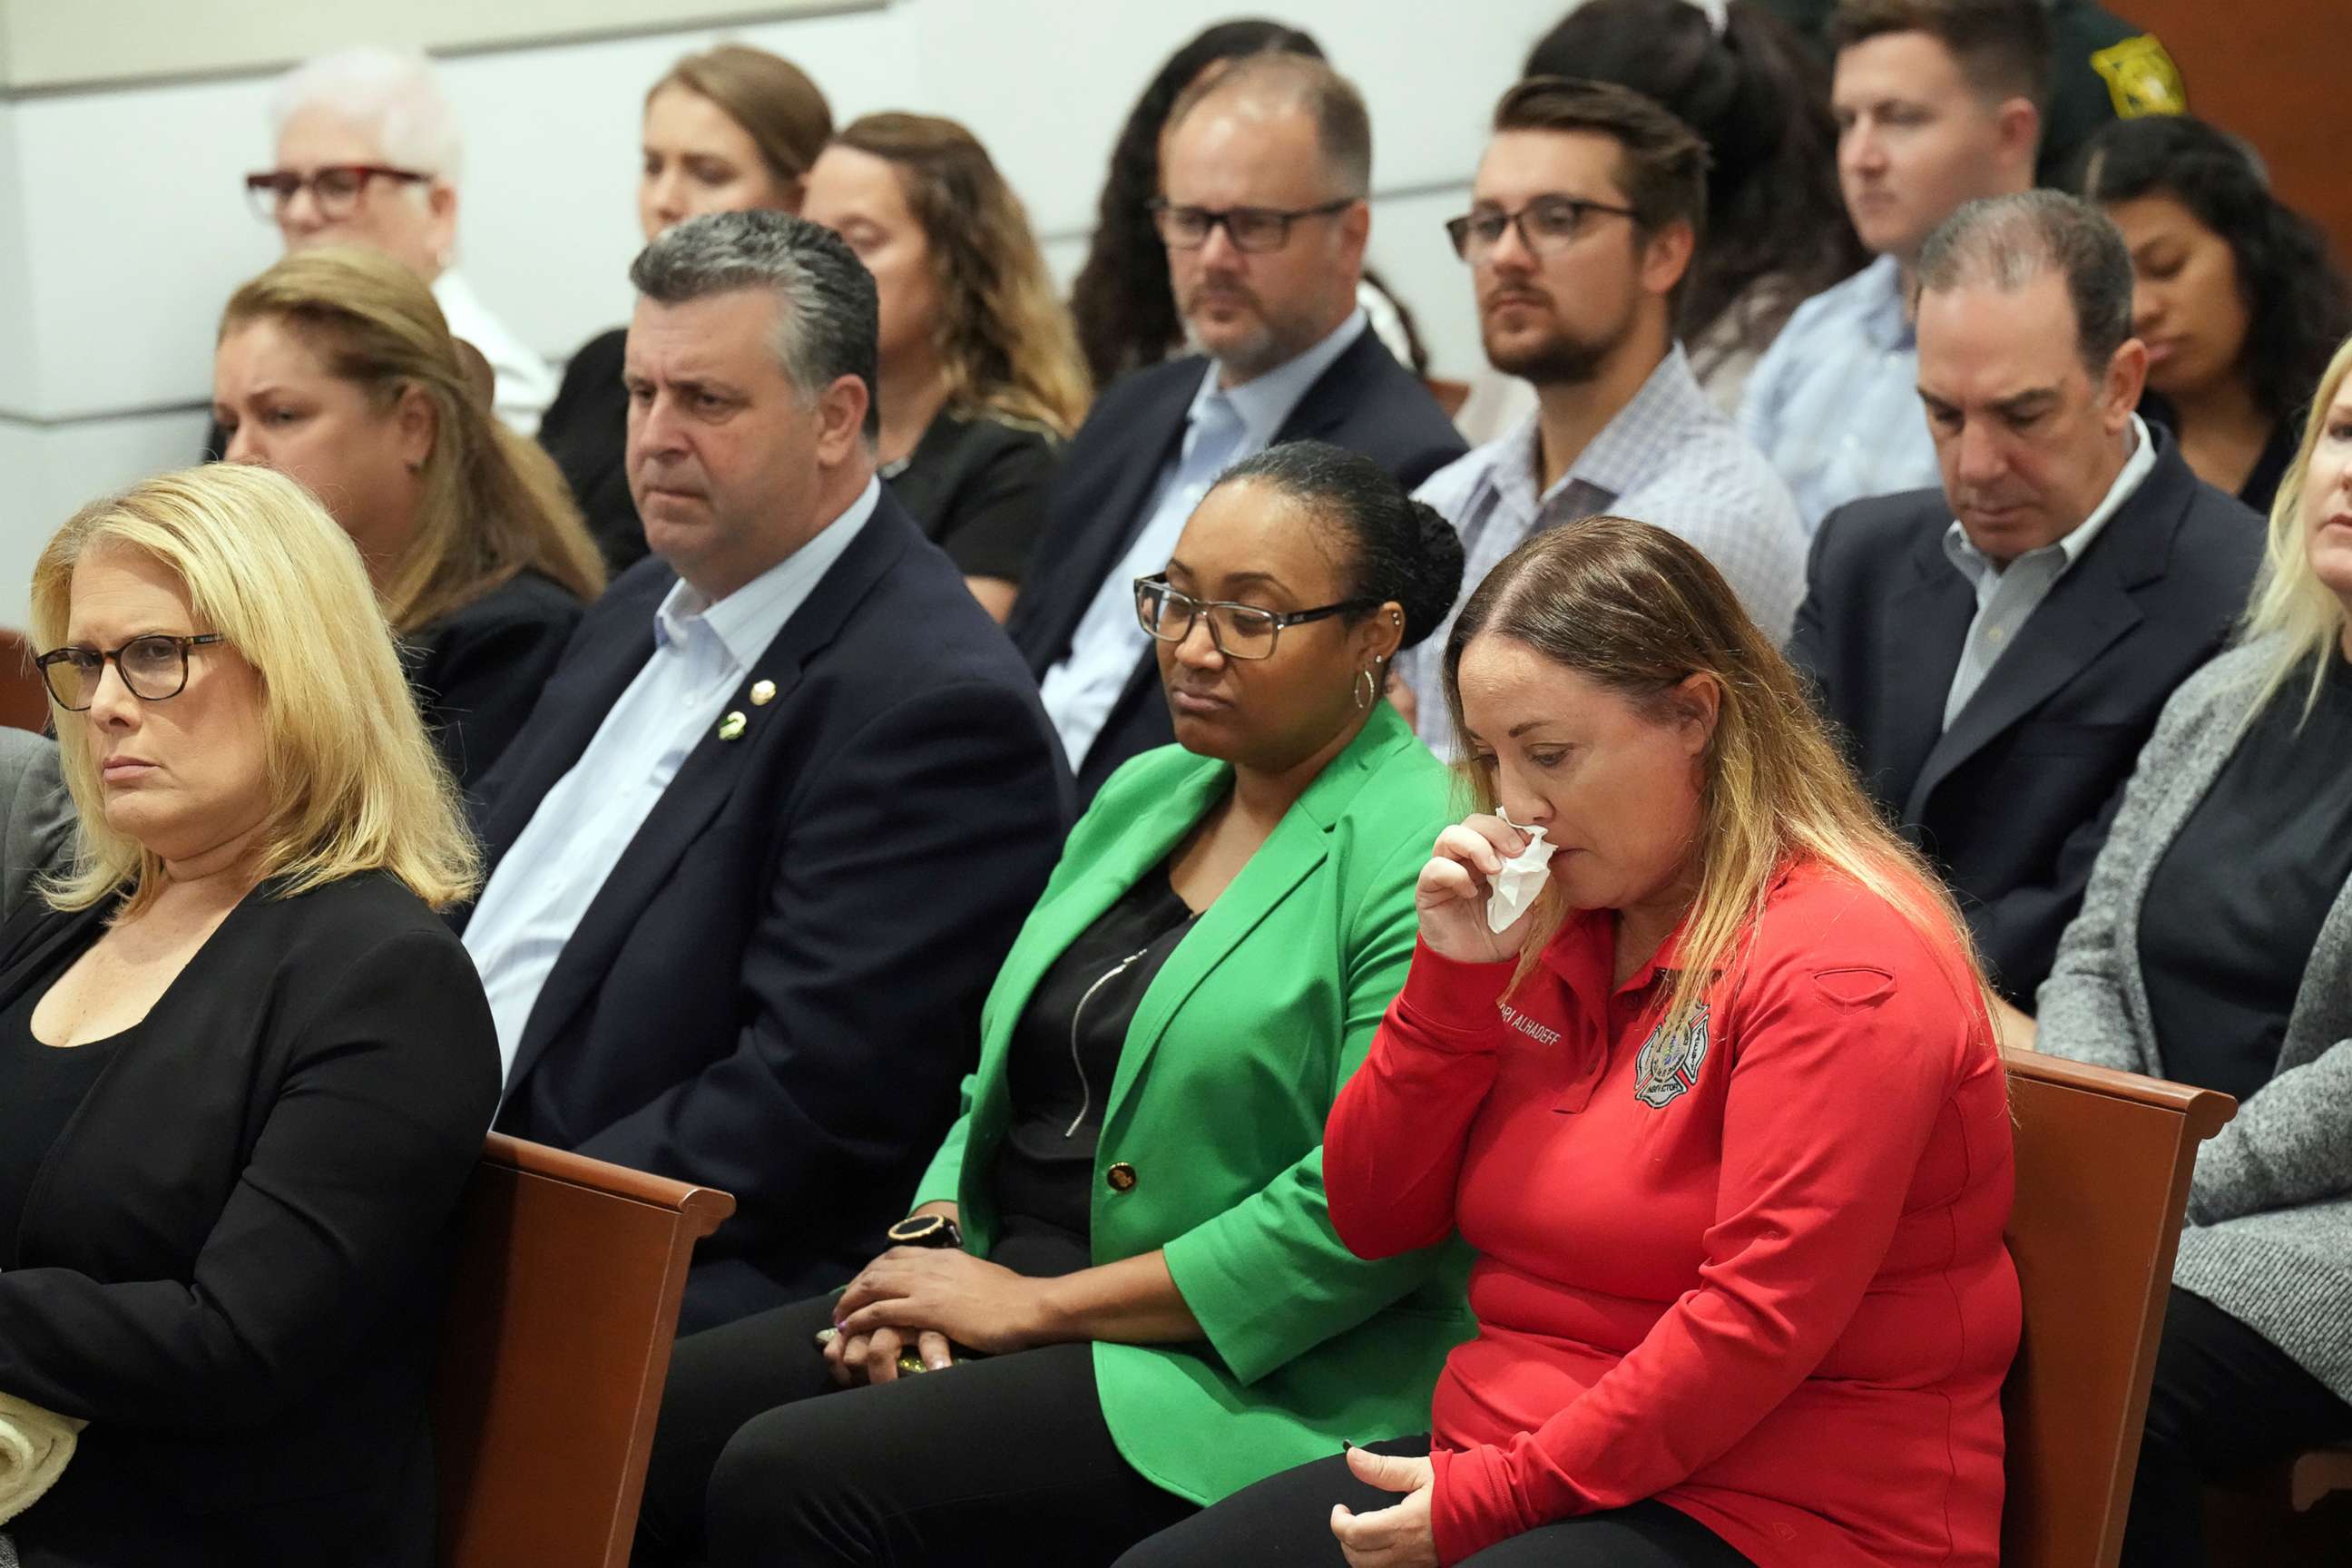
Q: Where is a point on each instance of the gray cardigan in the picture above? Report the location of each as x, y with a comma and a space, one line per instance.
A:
37, 815
2269, 1237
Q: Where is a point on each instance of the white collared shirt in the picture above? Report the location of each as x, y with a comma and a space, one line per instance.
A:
534, 898
522, 384
2007, 595
1223, 425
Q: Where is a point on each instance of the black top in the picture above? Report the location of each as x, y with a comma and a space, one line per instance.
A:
1064, 1052
2235, 905
2261, 484
586, 431
234, 1265
976, 487
40, 1088
477, 671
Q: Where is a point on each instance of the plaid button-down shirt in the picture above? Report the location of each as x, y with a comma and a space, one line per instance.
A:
1669, 457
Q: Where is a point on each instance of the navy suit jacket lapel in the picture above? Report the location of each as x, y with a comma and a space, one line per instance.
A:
710, 775
2089, 608
1135, 467
1927, 620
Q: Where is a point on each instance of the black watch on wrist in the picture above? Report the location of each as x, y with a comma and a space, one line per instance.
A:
927, 1230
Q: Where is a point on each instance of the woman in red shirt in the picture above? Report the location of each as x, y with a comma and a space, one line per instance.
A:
1721, 1114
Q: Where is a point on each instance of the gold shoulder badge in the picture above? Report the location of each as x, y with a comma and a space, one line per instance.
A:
2141, 79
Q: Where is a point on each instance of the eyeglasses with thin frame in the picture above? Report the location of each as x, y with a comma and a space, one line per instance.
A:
1252, 229
154, 668
1239, 631
1547, 226
335, 188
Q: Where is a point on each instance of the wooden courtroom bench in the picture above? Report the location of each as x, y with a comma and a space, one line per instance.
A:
569, 1276
2103, 1166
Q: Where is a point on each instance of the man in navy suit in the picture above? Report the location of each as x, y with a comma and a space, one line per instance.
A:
1267, 169
758, 851
1997, 651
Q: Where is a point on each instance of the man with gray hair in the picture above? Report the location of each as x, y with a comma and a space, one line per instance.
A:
1996, 651
769, 830
1265, 174
367, 153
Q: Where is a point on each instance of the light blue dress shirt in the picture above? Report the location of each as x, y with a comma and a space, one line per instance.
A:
1223, 425
2007, 595
1834, 402
1670, 458
543, 885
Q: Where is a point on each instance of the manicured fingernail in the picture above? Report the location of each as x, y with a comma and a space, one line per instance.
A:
1345, 1444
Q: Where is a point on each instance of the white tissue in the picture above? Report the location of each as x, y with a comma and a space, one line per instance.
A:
1520, 879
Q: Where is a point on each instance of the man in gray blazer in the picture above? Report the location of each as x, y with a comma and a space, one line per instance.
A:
1996, 652
37, 815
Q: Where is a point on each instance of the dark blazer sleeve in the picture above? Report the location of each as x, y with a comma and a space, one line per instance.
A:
910, 862
391, 1078
479, 672
1809, 642
2017, 930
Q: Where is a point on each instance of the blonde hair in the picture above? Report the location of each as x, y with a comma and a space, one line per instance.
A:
355, 783
1638, 611
493, 503
2290, 603
1004, 339
778, 107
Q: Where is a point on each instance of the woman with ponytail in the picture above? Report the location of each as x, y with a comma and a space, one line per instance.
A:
1126, 1225
1719, 1111
336, 367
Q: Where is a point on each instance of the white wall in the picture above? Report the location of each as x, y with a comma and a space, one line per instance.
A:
123, 224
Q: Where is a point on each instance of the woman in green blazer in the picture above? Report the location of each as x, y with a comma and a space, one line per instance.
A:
1119, 1288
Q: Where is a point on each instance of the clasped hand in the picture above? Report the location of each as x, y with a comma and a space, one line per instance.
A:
931, 1297
1398, 1536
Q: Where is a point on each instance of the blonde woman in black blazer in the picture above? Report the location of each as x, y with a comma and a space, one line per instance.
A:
243, 1067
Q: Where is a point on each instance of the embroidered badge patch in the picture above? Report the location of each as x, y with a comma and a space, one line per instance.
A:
2141, 79
1669, 1064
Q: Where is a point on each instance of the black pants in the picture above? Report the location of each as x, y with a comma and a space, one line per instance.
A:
2225, 1400
760, 1460
1286, 1520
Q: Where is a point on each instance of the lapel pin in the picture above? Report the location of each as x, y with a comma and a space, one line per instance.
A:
732, 727
762, 693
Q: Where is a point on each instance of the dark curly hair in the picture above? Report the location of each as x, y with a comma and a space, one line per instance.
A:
1761, 100
2298, 301
1126, 314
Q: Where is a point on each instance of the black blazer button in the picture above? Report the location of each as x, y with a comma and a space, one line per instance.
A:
1121, 1177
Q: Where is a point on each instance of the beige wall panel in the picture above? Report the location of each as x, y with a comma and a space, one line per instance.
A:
49, 44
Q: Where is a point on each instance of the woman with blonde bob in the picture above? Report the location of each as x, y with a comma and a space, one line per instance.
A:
2214, 948
337, 367
980, 375
1720, 1114
244, 1068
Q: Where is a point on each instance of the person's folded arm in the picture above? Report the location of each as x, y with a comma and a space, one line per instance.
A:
2290, 1144
912, 857
1839, 1079
340, 1209
1393, 1151
1279, 1277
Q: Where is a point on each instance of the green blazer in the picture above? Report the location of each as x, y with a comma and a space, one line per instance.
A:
1215, 1117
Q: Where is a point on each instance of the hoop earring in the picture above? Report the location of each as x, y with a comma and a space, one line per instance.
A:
1367, 691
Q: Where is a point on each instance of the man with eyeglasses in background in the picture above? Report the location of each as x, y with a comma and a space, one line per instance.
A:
1264, 187
1586, 211
367, 151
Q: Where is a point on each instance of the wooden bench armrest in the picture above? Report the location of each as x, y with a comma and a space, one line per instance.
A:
704, 1207
2207, 1110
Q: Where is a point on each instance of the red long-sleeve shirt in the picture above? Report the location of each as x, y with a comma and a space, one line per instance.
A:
1760, 1278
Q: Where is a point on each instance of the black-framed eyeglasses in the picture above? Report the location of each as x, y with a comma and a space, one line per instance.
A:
335, 188
1252, 229
1239, 631
1547, 226
154, 668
